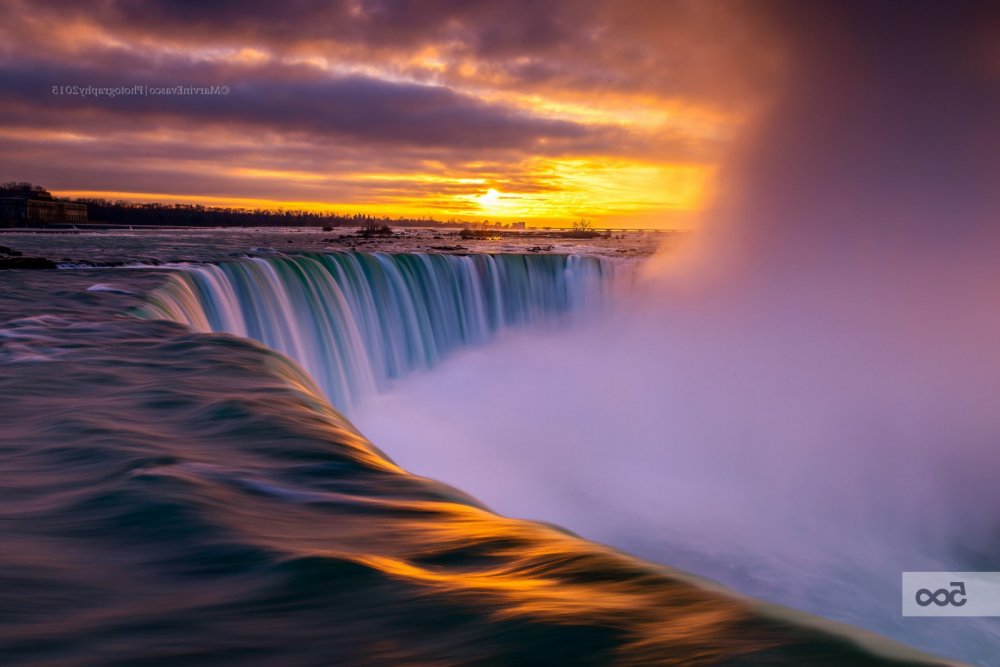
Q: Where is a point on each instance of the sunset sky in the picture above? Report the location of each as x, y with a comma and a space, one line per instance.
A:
525, 110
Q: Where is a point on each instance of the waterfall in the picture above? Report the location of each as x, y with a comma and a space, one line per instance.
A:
356, 321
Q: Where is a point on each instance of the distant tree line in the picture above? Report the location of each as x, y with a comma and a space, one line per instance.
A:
120, 212
194, 215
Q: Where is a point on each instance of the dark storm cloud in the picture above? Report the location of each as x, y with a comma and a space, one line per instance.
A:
707, 50
288, 100
497, 28
588, 47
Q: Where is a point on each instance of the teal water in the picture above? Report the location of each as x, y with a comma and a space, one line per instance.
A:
357, 321
170, 496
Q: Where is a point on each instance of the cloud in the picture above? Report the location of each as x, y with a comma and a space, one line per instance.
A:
339, 89
289, 100
707, 50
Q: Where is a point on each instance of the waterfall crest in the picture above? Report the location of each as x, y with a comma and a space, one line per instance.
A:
356, 321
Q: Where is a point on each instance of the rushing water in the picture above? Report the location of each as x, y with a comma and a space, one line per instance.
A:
174, 497
356, 321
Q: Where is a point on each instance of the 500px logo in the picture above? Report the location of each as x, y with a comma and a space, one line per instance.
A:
942, 596
951, 593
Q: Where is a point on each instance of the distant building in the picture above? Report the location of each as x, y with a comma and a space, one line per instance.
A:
517, 225
23, 204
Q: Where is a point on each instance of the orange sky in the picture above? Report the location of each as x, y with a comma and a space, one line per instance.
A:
537, 111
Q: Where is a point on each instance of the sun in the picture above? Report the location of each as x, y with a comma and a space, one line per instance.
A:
489, 200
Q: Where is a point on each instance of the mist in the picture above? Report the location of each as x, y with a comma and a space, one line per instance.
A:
801, 403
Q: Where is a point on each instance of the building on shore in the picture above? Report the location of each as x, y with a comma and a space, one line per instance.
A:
35, 206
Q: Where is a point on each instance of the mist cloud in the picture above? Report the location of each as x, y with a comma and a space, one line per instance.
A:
804, 406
